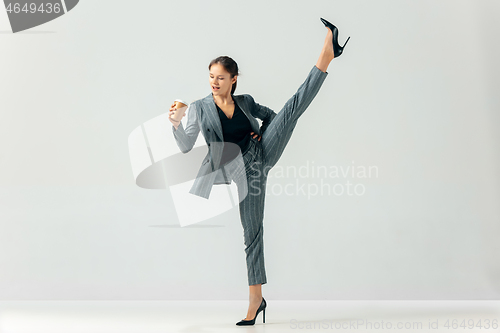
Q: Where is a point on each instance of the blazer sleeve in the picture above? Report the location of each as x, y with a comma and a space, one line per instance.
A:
186, 138
262, 112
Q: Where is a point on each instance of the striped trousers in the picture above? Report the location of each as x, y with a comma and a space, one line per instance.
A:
259, 157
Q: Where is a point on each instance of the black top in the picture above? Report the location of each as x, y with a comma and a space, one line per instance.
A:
236, 130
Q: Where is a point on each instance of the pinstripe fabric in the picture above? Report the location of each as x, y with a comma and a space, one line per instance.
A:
203, 116
259, 158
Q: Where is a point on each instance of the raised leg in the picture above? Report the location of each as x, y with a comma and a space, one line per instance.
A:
279, 131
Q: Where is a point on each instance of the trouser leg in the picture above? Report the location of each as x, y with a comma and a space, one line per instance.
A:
278, 133
252, 216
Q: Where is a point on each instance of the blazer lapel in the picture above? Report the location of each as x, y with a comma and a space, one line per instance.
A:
213, 116
243, 106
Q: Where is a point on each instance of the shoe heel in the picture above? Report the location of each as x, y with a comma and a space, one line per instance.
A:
346, 41
264, 315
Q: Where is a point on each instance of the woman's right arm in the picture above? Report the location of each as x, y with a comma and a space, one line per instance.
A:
186, 137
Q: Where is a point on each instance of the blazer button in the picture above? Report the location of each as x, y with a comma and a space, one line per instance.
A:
208, 129
209, 144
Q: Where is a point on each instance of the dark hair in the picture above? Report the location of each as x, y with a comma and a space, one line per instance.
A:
230, 65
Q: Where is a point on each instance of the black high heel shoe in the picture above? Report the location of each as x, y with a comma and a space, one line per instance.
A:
262, 307
337, 49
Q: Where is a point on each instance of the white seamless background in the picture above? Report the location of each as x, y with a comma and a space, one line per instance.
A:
415, 93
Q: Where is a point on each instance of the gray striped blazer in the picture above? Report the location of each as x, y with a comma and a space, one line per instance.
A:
203, 115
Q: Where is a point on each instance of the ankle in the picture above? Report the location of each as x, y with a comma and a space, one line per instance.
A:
322, 65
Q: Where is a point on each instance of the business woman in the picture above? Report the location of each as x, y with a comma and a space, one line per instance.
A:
229, 119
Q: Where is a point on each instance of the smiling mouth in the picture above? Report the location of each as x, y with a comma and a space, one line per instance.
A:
215, 88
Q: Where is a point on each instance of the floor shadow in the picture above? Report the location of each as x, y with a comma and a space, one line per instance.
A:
27, 32
189, 226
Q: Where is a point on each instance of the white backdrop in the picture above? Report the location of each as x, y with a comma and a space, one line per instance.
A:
415, 95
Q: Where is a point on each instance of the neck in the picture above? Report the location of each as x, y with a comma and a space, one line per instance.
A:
223, 99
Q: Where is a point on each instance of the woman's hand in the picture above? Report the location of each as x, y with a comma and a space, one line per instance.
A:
171, 113
255, 135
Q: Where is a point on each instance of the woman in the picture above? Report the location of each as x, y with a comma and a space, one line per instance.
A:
234, 121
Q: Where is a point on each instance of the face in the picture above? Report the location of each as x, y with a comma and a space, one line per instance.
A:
221, 79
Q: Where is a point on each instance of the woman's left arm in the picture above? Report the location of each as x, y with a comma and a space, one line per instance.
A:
264, 113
